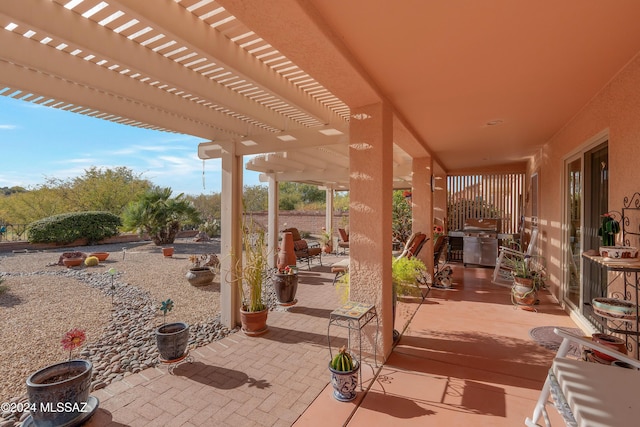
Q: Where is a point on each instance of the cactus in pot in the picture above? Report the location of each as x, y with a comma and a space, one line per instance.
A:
344, 375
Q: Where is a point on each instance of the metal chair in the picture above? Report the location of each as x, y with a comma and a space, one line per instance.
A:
507, 257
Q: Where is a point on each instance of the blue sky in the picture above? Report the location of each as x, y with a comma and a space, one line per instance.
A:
39, 142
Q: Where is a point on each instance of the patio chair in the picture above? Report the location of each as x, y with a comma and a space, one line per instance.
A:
441, 272
414, 245
589, 394
508, 257
344, 240
304, 250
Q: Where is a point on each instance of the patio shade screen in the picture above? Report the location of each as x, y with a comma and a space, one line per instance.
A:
485, 196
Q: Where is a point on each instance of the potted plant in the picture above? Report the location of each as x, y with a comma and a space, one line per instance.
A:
171, 338
250, 277
608, 230
285, 283
199, 274
59, 394
344, 375
326, 238
528, 278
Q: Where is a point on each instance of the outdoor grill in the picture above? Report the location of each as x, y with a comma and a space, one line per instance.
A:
480, 241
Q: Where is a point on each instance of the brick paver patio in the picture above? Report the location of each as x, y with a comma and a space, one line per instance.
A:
239, 381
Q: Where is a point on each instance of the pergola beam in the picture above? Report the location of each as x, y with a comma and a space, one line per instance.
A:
54, 21
32, 81
74, 71
192, 31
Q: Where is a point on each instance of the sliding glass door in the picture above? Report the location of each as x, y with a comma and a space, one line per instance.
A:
586, 181
573, 243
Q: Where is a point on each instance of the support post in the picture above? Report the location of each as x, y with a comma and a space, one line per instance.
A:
371, 187
272, 220
231, 235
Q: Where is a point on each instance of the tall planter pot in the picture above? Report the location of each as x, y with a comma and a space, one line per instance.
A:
345, 383
60, 394
287, 254
254, 323
286, 286
172, 340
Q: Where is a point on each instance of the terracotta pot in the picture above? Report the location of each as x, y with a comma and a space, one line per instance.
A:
608, 341
200, 276
72, 262
327, 249
167, 252
522, 294
286, 286
65, 383
254, 323
287, 255
102, 256
524, 281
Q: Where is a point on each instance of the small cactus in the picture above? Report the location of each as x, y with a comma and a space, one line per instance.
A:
342, 361
91, 261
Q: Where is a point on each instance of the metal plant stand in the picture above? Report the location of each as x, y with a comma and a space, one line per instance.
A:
354, 316
172, 364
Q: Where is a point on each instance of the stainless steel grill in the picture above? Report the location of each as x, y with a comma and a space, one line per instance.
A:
480, 241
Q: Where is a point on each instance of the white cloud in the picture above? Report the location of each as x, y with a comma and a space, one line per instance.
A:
8, 127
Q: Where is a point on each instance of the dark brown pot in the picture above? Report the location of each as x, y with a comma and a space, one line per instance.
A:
286, 286
254, 323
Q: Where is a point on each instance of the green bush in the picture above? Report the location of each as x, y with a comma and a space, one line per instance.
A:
65, 228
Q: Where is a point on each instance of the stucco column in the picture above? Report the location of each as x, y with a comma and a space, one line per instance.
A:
328, 213
422, 206
231, 235
371, 186
272, 220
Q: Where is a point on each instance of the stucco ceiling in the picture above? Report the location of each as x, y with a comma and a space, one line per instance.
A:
282, 75
450, 67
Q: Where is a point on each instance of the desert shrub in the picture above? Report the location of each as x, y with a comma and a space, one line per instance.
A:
65, 228
211, 227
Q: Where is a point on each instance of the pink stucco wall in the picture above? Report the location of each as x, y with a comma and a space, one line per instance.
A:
614, 110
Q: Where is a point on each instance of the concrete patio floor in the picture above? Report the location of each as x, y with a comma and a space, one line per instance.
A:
466, 358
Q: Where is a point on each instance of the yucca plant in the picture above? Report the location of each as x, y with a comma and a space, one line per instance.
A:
252, 273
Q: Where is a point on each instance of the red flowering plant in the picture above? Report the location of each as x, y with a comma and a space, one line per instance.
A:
289, 270
73, 339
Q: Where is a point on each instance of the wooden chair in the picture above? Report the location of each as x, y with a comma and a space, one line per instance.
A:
304, 250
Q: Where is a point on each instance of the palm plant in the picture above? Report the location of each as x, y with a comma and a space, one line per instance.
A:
159, 215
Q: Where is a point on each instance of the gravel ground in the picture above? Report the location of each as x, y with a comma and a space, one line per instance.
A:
43, 301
